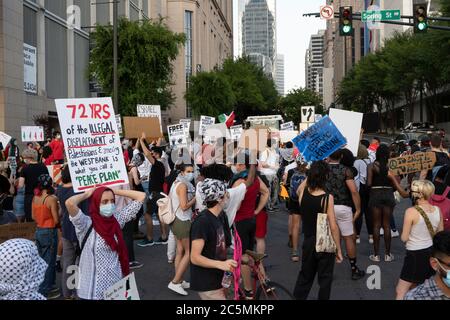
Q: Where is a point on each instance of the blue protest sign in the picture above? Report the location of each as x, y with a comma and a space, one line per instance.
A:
320, 140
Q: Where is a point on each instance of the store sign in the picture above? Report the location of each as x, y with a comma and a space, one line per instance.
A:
29, 69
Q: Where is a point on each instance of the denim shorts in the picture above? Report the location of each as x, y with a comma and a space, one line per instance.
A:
19, 203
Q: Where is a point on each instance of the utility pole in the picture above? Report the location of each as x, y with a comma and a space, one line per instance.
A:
115, 58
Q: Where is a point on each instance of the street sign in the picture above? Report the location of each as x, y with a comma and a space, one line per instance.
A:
381, 15
308, 114
326, 12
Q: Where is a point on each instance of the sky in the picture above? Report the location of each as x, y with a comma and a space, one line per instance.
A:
293, 35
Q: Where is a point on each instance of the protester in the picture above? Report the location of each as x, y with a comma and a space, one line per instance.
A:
437, 287
420, 224
45, 211
47, 156
57, 147
104, 257
314, 199
182, 196
269, 161
381, 201
22, 270
442, 159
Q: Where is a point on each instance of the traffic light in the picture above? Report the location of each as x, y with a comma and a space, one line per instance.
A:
346, 21
420, 18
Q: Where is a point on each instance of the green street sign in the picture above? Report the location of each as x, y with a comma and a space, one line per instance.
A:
381, 15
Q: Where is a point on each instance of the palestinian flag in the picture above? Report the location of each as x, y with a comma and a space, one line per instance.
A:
228, 120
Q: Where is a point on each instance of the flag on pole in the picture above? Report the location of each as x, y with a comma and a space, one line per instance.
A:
228, 120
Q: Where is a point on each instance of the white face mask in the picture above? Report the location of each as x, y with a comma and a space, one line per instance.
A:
189, 176
107, 210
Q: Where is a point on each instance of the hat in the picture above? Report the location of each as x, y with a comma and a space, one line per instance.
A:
212, 190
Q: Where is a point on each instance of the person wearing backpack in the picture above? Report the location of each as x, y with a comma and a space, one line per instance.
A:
441, 196
294, 179
442, 159
421, 223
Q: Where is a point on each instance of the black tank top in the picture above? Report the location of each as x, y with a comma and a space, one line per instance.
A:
310, 206
378, 180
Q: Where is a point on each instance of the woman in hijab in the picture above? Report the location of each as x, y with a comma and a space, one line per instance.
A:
104, 256
22, 270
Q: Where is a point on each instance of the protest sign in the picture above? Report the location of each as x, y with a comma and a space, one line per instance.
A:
288, 126
320, 140
286, 136
4, 139
413, 163
349, 124
205, 121
254, 139
304, 126
125, 289
236, 132
32, 134
146, 111
17, 230
135, 126
55, 172
119, 124
216, 131
177, 135
92, 142
186, 123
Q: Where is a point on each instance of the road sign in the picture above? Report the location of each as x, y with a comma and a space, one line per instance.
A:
326, 12
381, 15
308, 114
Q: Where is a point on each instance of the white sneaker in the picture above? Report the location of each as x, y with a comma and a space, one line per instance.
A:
371, 240
381, 231
178, 288
395, 234
389, 258
185, 285
358, 240
374, 258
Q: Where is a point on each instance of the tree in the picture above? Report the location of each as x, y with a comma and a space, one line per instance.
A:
211, 94
290, 106
146, 52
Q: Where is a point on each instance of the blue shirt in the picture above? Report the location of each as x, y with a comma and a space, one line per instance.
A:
68, 230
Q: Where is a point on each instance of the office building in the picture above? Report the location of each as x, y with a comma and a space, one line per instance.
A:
279, 74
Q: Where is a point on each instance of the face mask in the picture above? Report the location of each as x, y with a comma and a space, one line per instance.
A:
189, 176
58, 136
233, 168
446, 278
107, 210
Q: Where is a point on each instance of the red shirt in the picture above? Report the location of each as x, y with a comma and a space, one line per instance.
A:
248, 205
57, 149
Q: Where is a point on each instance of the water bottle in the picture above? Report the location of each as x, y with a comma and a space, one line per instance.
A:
227, 279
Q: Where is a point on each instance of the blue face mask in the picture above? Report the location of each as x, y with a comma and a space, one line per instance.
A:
107, 210
445, 279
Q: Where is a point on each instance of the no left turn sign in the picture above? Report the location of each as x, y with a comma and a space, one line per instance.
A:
326, 12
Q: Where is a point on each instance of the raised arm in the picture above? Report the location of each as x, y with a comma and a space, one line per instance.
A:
147, 152
133, 195
72, 204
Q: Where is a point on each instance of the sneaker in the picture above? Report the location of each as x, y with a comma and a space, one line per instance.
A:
161, 241
136, 265
371, 239
178, 288
381, 232
374, 258
358, 274
146, 243
395, 234
389, 257
185, 285
53, 295
170, 261
358, 240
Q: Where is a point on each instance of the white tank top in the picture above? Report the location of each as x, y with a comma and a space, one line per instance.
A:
419, 237
181, 215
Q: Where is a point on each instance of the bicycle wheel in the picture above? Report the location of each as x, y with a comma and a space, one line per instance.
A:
273, 291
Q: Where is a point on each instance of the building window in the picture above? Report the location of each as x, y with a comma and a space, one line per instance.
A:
55, 59
188, 53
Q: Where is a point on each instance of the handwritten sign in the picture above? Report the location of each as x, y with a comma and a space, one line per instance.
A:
17, 230
413, 163
4, 139
205, 121
177, 135
319, 140
236, 132
92, 142
32, 134
146, 111
186, 123
288, 126
125, 289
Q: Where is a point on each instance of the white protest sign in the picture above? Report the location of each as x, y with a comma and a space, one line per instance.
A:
32, 134
205, 121
216, 131
318, 117
91, 139
286, 136
125, 289
177, 135
119, 124
349, 124
304, 126
4, 139
288, 126
236, 132
186, 123
308, 114
147, 111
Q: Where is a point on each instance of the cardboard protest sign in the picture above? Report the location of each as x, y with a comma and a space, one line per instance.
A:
349, 124
286, 136
91, 139
135, 126
55, 172
320, 140
177, 135
205, 121
4, 139
125, 289
236, 132
147, 111
17, 230
254, 139
216, 131
288, 126
119, 124
413, 163
32, 134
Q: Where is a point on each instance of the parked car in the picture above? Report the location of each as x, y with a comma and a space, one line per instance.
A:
420, 126
406, 137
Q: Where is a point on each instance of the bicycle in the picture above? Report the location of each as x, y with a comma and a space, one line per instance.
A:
263, 289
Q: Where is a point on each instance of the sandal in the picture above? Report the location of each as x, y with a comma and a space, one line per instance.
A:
295, 256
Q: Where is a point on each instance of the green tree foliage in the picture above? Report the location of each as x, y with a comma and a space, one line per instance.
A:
146, 50
290, 106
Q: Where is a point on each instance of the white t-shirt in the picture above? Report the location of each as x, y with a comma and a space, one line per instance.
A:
361, 167
181, 215
144, 169
271, 158
234, 203
291, 166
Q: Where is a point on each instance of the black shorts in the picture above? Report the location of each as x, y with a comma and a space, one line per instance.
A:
246, 230
154, 197
416, 266
382, 198
293, 206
